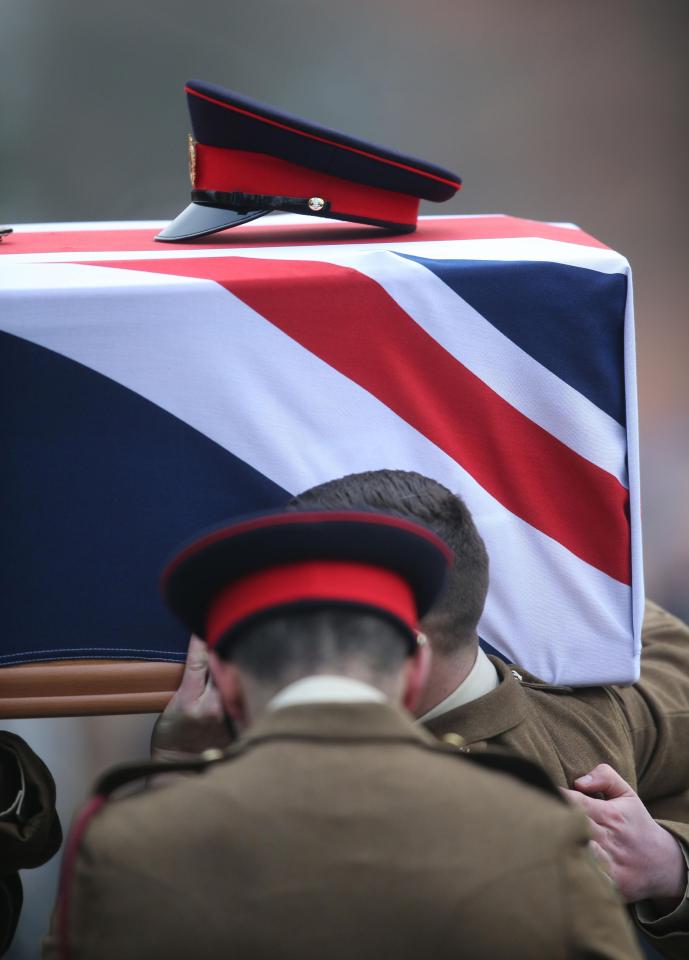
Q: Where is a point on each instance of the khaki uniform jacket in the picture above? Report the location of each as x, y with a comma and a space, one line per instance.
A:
341, 831
641, 730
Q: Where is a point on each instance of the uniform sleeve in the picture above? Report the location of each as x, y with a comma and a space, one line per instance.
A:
673, 945
657, 707
669, 933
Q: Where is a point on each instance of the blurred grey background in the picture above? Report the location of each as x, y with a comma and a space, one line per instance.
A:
548, 109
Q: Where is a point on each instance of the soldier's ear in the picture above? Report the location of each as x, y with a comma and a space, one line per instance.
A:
416, 670
228, 682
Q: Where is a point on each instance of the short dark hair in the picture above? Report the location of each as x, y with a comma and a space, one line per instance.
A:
453, 621
279, 648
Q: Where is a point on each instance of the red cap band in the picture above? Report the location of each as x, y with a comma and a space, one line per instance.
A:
326, 580
217, 168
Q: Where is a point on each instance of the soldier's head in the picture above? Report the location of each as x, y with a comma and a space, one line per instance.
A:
452, 623
283, 596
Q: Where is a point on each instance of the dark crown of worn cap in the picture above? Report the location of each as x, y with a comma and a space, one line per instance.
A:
248, 159
249, 568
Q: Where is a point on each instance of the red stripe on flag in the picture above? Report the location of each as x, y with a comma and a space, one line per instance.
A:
354, 325
272, 234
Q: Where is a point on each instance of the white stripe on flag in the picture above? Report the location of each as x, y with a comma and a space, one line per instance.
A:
513, 249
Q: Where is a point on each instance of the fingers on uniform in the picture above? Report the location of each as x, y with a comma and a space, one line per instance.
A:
589, 805
603, 859
597, 813
599, 834
601, 854
604, 779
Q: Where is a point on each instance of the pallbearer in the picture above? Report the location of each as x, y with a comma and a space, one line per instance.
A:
335, 827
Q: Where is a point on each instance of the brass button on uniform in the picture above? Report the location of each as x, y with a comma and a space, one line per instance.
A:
316, 204
454, 739
212, 754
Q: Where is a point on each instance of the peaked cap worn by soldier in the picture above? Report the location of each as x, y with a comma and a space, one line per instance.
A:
247, 159
332, 829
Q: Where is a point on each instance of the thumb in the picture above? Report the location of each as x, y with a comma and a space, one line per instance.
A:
603, 779
195, 670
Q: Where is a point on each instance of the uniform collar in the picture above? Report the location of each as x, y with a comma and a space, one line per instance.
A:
490, 715
325, 688
481, 679
344, 722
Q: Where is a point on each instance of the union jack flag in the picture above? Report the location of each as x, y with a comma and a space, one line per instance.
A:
152, 391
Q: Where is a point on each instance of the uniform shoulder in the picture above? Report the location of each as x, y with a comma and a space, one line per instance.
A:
520, 769
504, 788
514, 675
144, 771
515, 771
144, 797
522, 694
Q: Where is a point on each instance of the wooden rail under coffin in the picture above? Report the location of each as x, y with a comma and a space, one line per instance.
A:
70, 688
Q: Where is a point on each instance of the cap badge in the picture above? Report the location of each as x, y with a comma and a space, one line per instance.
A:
192, 159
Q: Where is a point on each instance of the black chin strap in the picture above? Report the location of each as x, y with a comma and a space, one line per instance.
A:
314, 206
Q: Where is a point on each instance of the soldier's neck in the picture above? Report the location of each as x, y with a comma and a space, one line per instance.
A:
446, 673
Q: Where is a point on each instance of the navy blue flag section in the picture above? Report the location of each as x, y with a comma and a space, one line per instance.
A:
151, 392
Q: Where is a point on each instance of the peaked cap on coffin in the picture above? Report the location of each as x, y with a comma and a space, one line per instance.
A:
248, 159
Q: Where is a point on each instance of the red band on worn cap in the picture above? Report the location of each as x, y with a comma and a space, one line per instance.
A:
327, 580
218, 168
